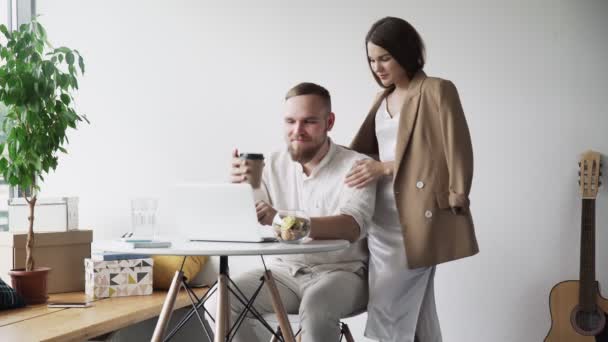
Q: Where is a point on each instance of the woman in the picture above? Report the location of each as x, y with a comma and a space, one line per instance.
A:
423, 163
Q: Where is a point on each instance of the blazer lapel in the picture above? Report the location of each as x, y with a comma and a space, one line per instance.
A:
407, 117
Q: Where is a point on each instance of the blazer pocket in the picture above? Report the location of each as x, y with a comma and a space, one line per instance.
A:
443, 200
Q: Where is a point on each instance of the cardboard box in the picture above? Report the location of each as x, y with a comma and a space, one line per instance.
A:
58, 214
118, 278
64, 252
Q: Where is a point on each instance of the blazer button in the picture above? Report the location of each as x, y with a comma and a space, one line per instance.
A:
420, 185
428, 214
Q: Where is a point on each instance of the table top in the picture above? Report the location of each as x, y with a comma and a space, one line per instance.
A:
41, 323
209, 248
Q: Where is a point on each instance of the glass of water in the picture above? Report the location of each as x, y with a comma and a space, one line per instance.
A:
143, 218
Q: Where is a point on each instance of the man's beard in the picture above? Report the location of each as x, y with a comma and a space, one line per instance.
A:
304, 155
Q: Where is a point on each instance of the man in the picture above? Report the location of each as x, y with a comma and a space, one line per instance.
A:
309, 175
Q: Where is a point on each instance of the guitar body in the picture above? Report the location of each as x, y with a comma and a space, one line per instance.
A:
563, 300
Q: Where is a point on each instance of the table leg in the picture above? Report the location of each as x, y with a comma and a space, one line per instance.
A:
222, 321
274, 338
167, 310
279, 309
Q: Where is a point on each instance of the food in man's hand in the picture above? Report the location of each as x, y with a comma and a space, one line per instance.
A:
291, 228
288, 222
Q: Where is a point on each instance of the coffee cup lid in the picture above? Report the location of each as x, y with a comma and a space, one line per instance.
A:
252, 156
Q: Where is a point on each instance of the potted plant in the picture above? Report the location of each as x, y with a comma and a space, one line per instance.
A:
36, 82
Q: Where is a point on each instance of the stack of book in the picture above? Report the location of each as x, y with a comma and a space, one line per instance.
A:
143, 243
107, 256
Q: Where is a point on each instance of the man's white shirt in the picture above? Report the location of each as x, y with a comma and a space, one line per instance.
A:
323, 193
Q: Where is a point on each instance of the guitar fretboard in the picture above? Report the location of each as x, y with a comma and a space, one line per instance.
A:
588, 289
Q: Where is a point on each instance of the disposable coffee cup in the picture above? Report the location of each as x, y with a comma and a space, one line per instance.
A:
255, 161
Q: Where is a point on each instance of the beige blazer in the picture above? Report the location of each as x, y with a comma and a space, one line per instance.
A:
433, 171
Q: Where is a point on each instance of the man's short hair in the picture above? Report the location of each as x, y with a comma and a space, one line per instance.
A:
308, 88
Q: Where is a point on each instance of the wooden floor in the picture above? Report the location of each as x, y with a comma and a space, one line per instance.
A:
40, 323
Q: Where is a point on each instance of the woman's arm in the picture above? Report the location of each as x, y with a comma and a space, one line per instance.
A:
366, 171
456, 144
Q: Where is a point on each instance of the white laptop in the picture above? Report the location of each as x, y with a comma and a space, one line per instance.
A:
218, 212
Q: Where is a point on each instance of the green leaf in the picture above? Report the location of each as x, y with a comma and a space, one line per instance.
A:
69, 57
63, 81
41, 30
65, 98
74, 82
63, 49
48, 68
81, 63
37, 165
12, 151
4, 30
40, 47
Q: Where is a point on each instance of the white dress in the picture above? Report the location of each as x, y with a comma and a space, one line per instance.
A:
399, 298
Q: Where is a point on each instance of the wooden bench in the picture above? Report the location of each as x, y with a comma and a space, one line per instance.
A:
40, 323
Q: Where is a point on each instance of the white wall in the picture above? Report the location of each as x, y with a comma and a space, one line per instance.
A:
4, 14
172, 86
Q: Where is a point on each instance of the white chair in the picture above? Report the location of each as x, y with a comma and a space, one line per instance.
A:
294, 320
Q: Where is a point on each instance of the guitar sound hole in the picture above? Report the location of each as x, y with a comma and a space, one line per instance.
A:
588, 323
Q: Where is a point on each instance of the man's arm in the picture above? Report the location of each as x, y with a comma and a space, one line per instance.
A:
339, 227
350, 221
358, 205
239, 173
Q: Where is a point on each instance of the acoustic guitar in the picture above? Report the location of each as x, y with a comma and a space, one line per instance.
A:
578, 311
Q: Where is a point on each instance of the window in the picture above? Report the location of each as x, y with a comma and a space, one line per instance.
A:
8, 17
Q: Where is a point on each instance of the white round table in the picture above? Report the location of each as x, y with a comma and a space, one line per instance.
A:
224, 250
210, 248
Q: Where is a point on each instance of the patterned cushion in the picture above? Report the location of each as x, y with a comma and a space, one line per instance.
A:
9, 299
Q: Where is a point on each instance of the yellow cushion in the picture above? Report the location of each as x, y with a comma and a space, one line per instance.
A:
166, 265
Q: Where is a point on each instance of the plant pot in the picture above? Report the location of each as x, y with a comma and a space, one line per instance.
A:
30, 285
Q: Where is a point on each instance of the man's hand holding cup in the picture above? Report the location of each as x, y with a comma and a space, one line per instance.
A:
247, 167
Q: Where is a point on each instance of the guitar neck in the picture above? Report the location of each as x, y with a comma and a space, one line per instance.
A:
588, 287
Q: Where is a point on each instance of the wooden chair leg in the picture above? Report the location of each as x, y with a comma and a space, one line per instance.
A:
279, 309
347, 334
